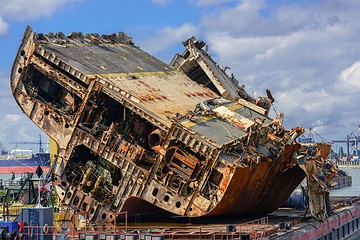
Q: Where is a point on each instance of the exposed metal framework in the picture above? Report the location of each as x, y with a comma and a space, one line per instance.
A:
137, 135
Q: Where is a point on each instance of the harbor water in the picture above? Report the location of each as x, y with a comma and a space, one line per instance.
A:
354, 190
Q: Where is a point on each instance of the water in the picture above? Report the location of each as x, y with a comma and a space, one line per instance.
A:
354, 190
6, 176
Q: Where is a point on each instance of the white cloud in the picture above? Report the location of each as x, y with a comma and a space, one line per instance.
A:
299, 51
350, 78
161, 2
14, 118
14, 125
3, 26
260, 18
206, 3
17, 127
243, 16
166, 37
306, 52
24, 10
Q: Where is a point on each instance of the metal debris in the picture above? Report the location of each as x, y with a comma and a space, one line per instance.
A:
137, 135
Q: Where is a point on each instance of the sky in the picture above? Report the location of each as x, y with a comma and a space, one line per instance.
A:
307, 52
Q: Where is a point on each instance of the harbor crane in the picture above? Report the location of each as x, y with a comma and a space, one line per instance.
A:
352, 141
40, 143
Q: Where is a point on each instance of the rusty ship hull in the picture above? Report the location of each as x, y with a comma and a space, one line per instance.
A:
252, 192
135, 134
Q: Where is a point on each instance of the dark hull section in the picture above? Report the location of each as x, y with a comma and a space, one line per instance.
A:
260, 189
137, 207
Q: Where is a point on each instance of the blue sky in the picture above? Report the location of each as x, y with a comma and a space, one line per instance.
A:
306, 52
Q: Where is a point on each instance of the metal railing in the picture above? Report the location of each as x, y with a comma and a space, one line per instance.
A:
69, 224
348, 163
257, 229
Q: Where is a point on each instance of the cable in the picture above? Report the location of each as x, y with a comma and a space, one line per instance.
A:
274, 108
319, 136
226, 129
350, 213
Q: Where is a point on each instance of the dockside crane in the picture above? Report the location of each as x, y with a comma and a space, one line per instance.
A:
308, 136
40, 143
351, 140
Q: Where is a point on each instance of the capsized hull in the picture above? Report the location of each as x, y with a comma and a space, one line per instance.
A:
184, 139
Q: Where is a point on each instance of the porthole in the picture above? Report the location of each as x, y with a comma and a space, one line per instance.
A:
166, 198
155, 192
84, 206
68, 195
92, 210
76, 200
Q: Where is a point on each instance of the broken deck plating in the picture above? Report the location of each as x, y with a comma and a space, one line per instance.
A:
137, 135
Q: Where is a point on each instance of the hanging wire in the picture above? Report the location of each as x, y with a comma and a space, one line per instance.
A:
230, 135
274, 108
311, 129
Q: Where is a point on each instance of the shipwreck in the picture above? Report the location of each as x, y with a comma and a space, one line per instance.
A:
135, 134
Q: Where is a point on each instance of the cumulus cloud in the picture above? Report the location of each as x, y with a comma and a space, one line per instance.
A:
14, 125
161, 2
301, 51
23, 10
350, 78
206, 3
3, 26
244, 16
13, 117
166, 37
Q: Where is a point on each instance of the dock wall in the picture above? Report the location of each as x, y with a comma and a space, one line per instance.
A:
342, 181
345, 164
341, 225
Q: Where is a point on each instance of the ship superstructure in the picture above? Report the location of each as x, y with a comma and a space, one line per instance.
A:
137, 135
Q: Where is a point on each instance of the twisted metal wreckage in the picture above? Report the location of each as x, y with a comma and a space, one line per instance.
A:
137, 135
